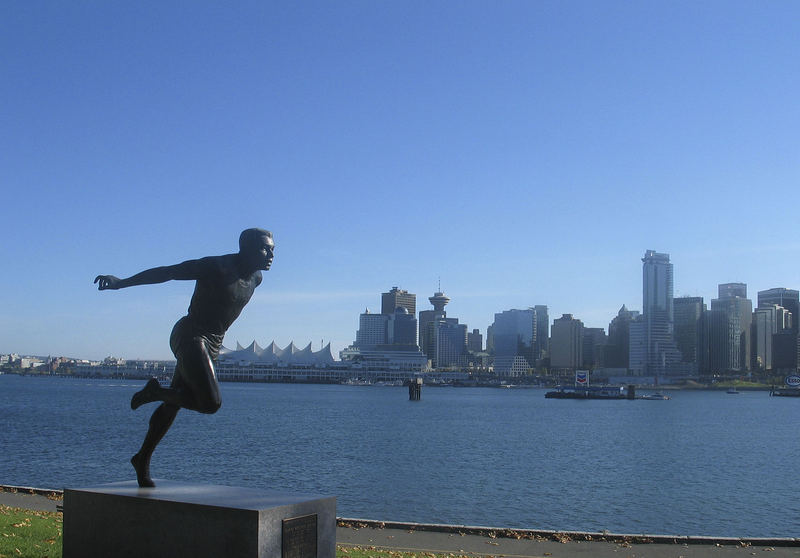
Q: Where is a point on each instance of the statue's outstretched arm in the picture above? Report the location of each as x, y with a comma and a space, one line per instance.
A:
188, 270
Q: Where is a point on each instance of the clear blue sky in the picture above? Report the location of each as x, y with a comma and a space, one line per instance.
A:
525, 152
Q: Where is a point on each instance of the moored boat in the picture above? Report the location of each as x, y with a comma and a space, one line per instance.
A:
657, 396
591, 392
785, 392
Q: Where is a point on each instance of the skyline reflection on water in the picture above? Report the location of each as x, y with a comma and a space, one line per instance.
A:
702, 463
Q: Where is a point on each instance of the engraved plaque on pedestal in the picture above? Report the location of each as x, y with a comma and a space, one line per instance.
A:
299, 537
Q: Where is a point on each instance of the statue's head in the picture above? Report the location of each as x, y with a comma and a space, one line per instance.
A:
257, 247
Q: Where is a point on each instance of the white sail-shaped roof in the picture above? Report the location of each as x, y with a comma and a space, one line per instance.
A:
273, 354
324, 355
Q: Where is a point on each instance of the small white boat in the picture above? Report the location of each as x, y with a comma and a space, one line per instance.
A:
733, 391
657, 396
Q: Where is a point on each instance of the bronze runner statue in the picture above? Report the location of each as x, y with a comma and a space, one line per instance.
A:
223, 286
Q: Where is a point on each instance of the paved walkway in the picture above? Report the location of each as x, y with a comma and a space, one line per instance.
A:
487, 542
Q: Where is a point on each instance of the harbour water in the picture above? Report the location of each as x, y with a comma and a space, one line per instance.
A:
701, 463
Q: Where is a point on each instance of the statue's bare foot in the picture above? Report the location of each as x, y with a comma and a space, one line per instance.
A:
142, 468
147, 394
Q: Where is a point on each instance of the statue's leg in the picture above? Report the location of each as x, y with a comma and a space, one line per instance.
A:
149, 393
160, 422
199, 390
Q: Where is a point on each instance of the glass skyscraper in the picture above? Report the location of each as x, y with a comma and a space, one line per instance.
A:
688, 329
786, 298
734, 351
661, 354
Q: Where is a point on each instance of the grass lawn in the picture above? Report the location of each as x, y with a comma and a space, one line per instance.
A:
30, 534
35, 534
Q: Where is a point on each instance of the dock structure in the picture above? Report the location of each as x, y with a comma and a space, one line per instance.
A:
593, 392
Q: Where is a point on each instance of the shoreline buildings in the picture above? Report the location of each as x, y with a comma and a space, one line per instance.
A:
670, 339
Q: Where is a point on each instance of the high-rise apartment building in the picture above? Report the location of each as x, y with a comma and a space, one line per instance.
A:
662, 356
735, 337
566, 342
398, 298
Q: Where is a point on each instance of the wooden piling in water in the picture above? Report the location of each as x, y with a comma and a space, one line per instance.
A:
415, 389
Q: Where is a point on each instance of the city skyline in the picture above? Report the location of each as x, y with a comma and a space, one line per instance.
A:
440, 295
525, 153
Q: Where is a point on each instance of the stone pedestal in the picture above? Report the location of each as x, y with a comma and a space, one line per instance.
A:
121, 520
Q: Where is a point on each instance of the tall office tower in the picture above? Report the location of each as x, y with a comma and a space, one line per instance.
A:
786, 348
618, 343
732, 290
785, 342
401, 328
450, 342
764, 326
785, 352
371, 329
398, 298
566, 342
514, 334
426, 319
688, 311
738, 310
637, 345
475, 341
657, 310
715, 328
783, 319
541, 344
594, 342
